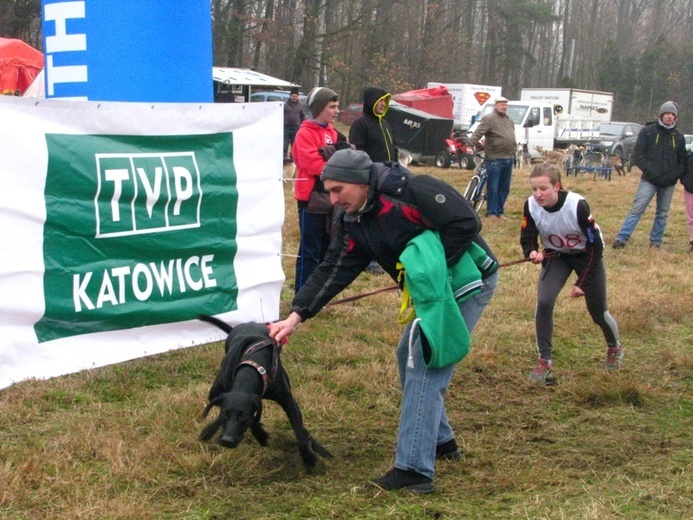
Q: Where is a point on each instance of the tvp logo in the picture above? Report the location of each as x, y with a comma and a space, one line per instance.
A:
140, 230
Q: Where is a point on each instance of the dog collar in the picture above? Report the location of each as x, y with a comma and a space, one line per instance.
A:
261, 370
267, 378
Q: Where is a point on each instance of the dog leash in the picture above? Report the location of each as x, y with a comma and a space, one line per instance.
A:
394, 287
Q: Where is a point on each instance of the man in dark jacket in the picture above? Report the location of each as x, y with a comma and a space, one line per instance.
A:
383, 207
371, 132
660, 153
293, 117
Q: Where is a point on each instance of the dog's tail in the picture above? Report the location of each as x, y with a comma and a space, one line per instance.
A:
216, 321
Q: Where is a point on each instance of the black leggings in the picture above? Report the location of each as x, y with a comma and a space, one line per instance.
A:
553, 276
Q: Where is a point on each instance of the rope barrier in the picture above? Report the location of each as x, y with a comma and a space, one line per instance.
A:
394, 287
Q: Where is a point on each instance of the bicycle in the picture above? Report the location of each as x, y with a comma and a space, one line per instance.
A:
475, 192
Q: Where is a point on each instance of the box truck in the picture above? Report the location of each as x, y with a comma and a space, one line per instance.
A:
467, 100
573, 102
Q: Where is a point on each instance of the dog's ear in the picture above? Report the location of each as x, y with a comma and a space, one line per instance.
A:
211, 429
214, 402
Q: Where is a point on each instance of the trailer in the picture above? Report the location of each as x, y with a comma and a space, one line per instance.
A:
419, 133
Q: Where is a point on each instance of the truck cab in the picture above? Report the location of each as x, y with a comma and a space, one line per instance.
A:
535, 124
538, 125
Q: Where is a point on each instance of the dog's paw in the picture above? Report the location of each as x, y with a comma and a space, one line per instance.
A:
308, 456
320, 449
260, 434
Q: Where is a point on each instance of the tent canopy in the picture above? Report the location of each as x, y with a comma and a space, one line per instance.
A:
434, 100
234, 85
19, 65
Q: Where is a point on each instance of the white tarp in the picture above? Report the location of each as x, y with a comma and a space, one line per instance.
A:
120, 222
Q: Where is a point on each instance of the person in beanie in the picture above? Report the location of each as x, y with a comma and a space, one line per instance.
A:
386, 213
315, 142
660, 153
293, 117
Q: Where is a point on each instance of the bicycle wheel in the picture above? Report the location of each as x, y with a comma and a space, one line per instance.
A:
471, 188
479, 197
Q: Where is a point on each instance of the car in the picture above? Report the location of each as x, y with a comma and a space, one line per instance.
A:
351, 113
280, 95
689, 141
618, 138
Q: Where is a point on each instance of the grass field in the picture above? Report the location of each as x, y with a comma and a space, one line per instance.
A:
121, 442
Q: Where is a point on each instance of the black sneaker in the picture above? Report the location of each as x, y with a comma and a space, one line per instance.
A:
448, 451
404, 480
618, 244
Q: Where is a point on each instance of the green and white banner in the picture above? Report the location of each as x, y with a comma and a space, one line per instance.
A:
121, 222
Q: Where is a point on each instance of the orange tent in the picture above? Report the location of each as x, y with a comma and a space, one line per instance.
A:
19, 65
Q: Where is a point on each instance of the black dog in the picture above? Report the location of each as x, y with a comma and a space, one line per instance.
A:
251, 371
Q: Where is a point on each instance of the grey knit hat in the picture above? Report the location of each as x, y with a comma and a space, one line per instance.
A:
352, 166
318, 98
670, 107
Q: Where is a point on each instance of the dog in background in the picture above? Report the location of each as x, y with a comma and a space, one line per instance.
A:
251, 371
555, 156
404, 158
615, 162
522, 157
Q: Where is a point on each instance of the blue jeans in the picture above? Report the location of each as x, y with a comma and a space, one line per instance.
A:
315, 239
423, 422
643, 196
498, 188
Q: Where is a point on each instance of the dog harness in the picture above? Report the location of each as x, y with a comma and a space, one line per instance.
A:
267, 378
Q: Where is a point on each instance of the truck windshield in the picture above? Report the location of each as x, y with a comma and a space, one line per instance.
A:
517, 113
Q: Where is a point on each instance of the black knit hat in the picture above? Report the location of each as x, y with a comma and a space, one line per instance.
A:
318, 98
351, 166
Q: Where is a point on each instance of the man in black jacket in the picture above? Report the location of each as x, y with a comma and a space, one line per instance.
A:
660, 153
382, 208
371, 133
293, 117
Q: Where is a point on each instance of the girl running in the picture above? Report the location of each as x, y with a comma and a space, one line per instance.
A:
572, 241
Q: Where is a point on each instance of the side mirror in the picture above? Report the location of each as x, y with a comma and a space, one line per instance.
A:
629, 134
529, 123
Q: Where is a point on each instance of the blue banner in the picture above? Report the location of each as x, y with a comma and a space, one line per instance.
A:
129, 50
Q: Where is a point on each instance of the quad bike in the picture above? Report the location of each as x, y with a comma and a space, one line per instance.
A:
456, 150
